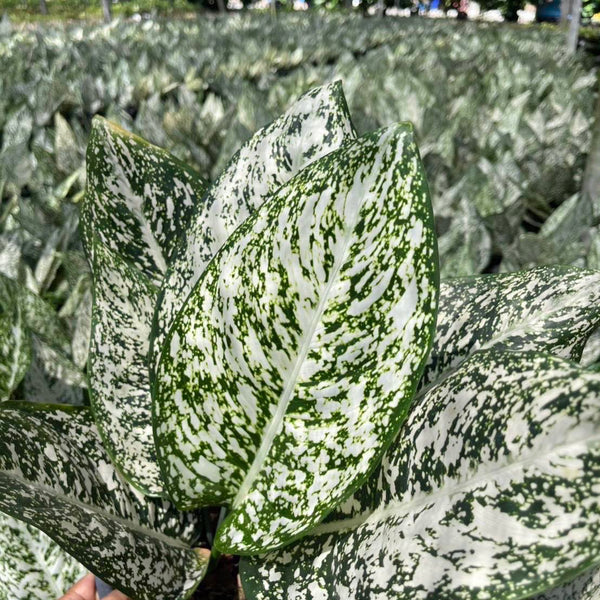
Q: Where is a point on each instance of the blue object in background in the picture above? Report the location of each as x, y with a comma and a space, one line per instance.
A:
548, 10
102, 589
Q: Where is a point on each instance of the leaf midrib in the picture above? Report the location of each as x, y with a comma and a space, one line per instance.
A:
15, 475
274, 426
154, 248
395, 507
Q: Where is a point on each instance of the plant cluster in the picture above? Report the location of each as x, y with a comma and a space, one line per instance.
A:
29, 10
278, 343
503, 140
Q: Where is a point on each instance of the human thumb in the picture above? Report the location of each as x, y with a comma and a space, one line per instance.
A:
84, 589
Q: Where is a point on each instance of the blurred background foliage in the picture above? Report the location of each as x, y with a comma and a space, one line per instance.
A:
86, 9
503, 119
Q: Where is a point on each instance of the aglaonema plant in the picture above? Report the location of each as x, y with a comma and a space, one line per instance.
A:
277, 343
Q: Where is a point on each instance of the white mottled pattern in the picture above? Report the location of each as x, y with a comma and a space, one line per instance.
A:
317, 123
55, 474
547, 308
489, 492
138, 200
295, 357
32, 566
123, 308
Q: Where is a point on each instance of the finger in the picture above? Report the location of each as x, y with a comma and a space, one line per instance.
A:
116, 595
84, 589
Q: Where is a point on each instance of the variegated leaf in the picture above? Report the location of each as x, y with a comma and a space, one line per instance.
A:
38, 316
489, 491
584, 587
316, 124
15, 350
54, 473
294, 360
138, 199
32, 566
554, 309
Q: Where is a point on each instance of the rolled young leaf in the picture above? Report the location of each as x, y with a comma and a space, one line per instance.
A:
32, 566
316, 124
138, 199
294, 360
490, 491
54, 473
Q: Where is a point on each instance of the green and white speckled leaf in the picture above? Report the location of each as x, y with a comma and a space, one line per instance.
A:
294, 360
489, 492
54, 473
15, 351
32, 566
316, 124
121, 319
552, 309
584, 587
38, 316
138, 200
57, 365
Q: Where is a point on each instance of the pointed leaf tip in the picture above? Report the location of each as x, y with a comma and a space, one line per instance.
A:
303, 341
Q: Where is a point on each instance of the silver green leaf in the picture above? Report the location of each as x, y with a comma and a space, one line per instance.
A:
466, 247
57, 365
138, 198
39, 317
554, 309
293, 362
55, 474
15, 350
584, 587
316, 124
32, 566
489, 491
